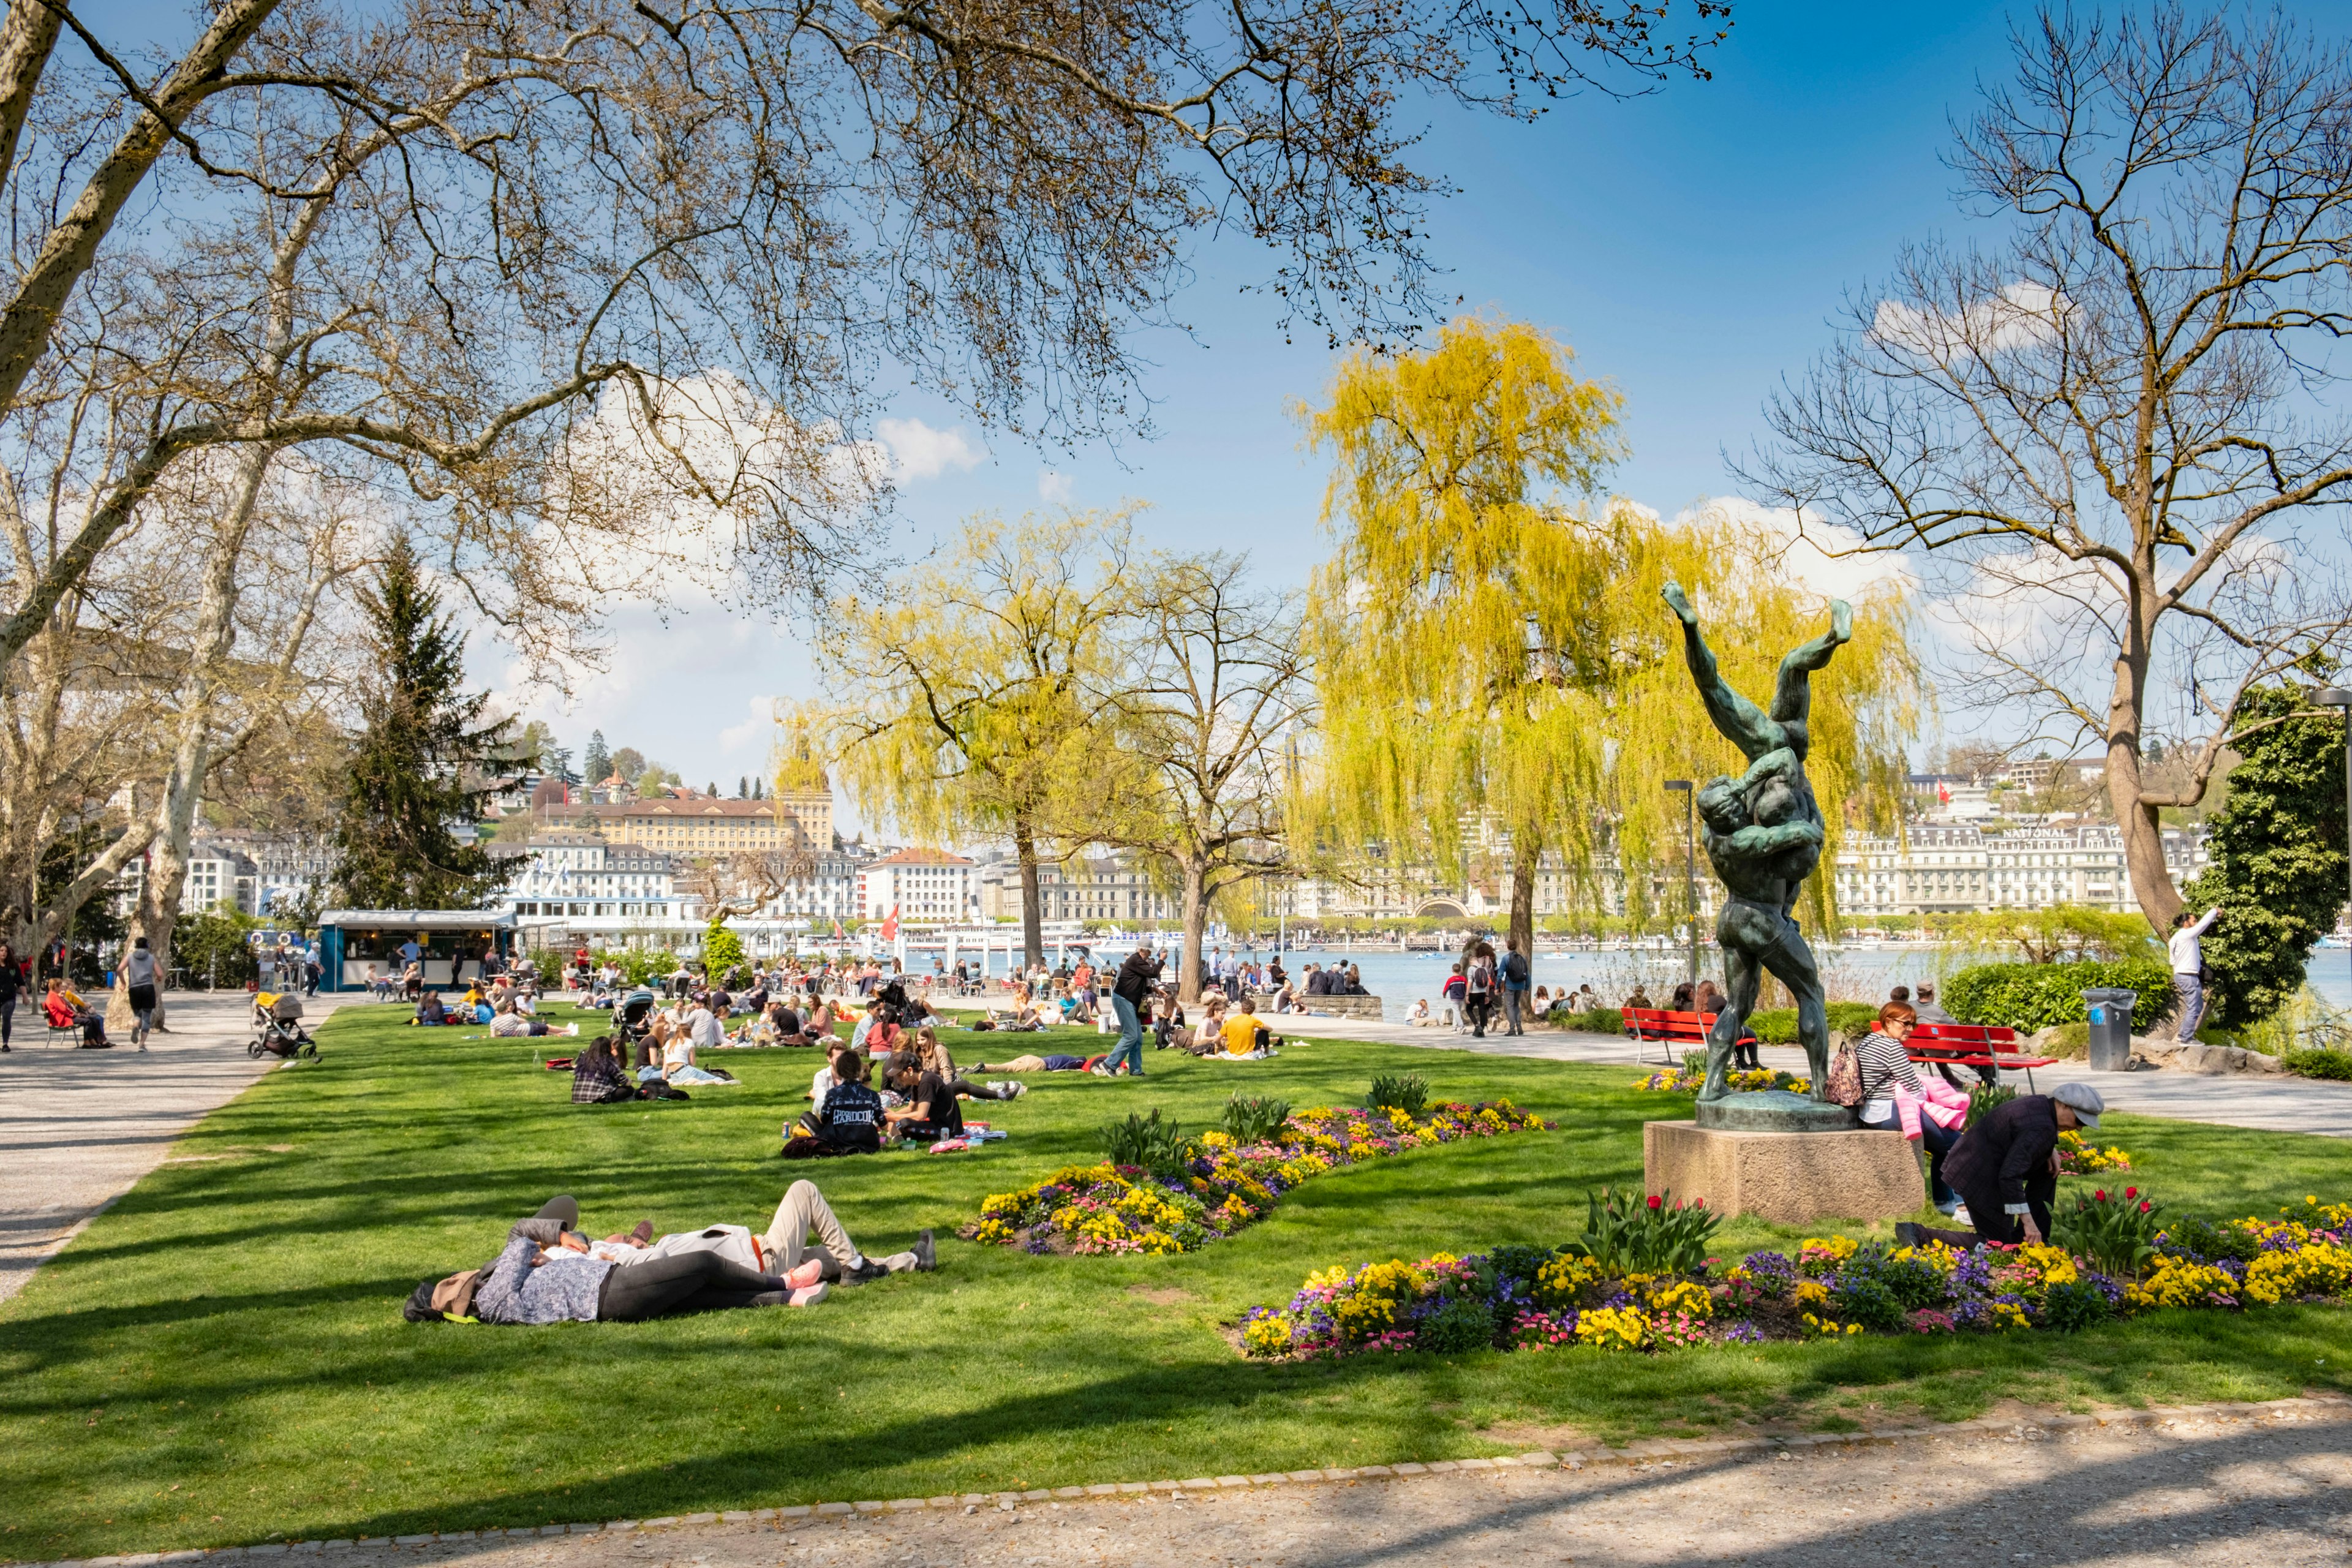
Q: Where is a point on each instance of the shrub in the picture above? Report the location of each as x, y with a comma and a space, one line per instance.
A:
1408, 1092
1145, 1141
2209, 1242
1596, 1021
723, 952
2033, 996
2324, 1061
1462, 1324
1627, 1233
2073, 1305
1778, 1026
1912, 1280
1866, 1301
1254, 1118
2118, 1231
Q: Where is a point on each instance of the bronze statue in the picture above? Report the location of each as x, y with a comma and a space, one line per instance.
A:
1763, 834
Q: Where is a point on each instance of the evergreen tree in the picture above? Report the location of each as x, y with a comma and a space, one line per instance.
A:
409, 774
598, 762
2277, 850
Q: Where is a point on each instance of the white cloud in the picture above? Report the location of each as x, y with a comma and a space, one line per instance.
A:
1056, 488
918, 452
758, 727
2021, 315
1823, 558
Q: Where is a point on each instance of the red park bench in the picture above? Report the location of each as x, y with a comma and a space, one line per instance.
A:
1670, 1028
1947, 1046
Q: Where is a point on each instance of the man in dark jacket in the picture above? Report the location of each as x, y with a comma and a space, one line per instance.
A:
2005, 1168
1136, 978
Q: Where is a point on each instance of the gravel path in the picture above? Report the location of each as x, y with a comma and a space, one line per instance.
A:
2270, 1487
90, 1123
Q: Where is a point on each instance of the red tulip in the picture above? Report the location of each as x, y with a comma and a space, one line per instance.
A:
1654, 1200
1698, 1202
2146, 1207
2131, 1191
2101, 1196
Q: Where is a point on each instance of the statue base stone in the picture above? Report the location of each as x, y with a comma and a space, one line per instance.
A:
1774, 1110
1789, 1178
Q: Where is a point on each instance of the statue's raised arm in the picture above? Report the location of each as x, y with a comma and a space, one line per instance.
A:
1741, 721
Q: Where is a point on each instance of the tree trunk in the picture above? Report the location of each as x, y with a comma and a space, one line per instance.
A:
1527, 859
2137, 822
1190, 973
1032, 934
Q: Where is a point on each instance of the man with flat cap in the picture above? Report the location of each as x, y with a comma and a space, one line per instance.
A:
2005, 1168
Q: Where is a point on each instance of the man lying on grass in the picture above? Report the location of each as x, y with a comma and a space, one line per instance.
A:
550, 1273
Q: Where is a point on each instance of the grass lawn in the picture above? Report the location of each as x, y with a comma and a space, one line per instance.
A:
221, 1358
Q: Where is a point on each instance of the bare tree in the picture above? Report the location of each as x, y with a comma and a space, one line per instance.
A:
745, 218
1212, 687
2111, 429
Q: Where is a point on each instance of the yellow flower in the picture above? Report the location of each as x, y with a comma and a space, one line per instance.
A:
1613, 1327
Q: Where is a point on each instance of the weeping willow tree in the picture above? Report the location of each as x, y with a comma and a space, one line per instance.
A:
1498, 677
970, 702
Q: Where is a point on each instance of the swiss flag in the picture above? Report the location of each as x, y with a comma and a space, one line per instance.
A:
1943, 794
890, 924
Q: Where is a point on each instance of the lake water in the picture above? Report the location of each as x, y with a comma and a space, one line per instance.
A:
1853, 973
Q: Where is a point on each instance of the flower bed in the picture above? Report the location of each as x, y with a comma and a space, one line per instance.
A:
1104, 1208
1682, 1081
2079, 1158
1531, 1297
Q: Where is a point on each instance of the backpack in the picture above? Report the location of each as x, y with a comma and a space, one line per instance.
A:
1481, 979
1844, 1085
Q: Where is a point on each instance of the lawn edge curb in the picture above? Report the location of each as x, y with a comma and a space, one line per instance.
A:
1650, 1452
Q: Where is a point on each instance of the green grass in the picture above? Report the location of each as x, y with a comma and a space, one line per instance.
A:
221, 1358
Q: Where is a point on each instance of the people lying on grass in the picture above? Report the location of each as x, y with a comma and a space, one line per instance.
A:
1244, 1036
548, 1273
1057, 1062
507, 1024
65, 1010
934, 1055
848, 1120
928, 1111
2005, 1168
598, 1075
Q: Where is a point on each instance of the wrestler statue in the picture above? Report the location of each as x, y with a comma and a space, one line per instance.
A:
1763, 834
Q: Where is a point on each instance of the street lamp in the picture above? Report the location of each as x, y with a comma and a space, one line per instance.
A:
1690, 864
2337, 697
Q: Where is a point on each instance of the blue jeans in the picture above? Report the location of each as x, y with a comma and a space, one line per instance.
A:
1131, 1038
2191, 991
1937, 1142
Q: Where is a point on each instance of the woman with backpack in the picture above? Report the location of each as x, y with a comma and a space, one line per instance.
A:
1478, 988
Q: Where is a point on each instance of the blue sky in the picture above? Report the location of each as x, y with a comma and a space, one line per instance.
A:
1692, 245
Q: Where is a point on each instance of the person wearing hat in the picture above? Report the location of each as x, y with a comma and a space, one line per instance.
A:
2005, 1168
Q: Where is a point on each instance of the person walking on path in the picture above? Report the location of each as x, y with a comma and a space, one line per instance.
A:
139, 979
12, 981
2187, 949
1136, 978
1516, 978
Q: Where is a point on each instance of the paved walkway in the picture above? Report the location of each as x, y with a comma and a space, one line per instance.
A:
85, 1125
2272, 1490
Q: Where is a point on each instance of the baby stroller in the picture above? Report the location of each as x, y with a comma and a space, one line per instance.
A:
278, 1027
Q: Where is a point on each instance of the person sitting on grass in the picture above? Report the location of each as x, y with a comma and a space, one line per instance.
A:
547, 1273
822, 1084
928, 1112
431, 1013
1418, 1014
1168, 1027
1210, 1035
934, 1057
1244, 1036
65, 1010
598, 1077
848, 1120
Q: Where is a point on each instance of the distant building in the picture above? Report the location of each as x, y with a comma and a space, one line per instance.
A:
1955, 869
926, 887
572, 873
701, 826
220, 874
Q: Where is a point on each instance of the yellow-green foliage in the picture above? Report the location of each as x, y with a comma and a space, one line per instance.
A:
1489, 634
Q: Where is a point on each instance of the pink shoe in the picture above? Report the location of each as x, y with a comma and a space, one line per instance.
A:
810, 1297
806, 1275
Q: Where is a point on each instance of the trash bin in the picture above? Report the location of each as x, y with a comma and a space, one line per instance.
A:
2111, 1034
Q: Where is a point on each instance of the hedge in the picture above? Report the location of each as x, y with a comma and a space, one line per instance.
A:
2030, 996
1778, 1026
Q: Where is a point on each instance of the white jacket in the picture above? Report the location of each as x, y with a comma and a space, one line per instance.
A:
2187, 947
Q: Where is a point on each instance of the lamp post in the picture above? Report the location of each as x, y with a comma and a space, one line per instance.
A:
2338, 697
1690, 864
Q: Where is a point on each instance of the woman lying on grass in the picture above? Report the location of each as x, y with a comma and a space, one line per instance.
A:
550, 1273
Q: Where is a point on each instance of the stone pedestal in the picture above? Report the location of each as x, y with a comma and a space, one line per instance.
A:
1789, 1178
